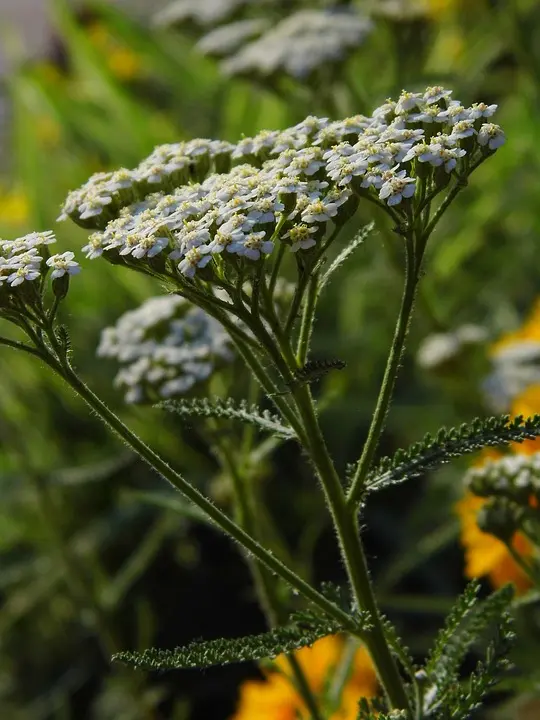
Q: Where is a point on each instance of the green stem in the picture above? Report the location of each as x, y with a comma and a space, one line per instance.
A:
16, 345
215, 515
346, 525
532, 573
389, 378
265, 584
275, 268
308, 316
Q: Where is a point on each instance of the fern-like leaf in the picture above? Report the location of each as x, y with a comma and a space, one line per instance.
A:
225, 651
345, 254
314, 370
462, 701
431, 452
229, 410
398, 648
466, 624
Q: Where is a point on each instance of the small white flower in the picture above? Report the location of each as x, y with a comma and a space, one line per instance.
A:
319, 211
63, 263
30, 258
149, 247
436, 93
491, 135
25, 272
429, 114
93, 206
397, 187
253, 245
455, 113
462, 130
94, 248
408, 101
301, 237
193, 259
478, 110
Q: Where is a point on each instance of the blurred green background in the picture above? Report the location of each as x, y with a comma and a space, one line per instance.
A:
88, 538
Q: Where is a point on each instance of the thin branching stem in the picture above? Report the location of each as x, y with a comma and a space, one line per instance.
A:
390, 374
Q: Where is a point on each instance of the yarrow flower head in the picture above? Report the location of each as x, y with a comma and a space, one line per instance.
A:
300, 43
26, 259
207, 210
515, 361
501, 489
165, 348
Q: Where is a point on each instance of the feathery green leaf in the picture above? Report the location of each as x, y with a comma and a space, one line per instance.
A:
345, 254
431, 452
466, 624
230, 410
224, 651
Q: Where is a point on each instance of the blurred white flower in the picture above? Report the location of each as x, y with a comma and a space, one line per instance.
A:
164, 347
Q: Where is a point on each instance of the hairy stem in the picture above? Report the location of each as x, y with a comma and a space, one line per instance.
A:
352, 551
389, 378
308, 316
265, 585
215, 515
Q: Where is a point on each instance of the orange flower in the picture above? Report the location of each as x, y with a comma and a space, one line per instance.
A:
487, 555
527, 404
530, 330
275, 697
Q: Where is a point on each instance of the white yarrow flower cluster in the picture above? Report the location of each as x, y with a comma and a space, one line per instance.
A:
204, 205
509, 475
206, 13
26, 259
165, 347
300, 43
101, 197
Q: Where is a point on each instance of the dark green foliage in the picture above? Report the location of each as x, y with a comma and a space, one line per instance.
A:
345, 254
463, 700
375, 710
400, 651
231, 650
314, 370
305, 628
469, 620
229, 410
431, 452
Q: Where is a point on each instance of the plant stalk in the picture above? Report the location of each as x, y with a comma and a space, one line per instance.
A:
389, 378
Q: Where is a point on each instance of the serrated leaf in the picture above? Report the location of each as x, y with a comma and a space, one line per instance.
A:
225, 651
229, 410
432, 452
466, 624
345, 254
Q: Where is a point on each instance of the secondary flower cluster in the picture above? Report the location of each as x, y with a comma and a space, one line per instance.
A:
515, 361
257, 42
503, 484
513, 476
165, 347
211, 204
296, 46
26, 259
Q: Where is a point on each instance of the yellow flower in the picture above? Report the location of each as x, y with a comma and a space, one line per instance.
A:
122, 61
527, 404
439, 8
275, 697
529, 331
485, 555
14, 208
